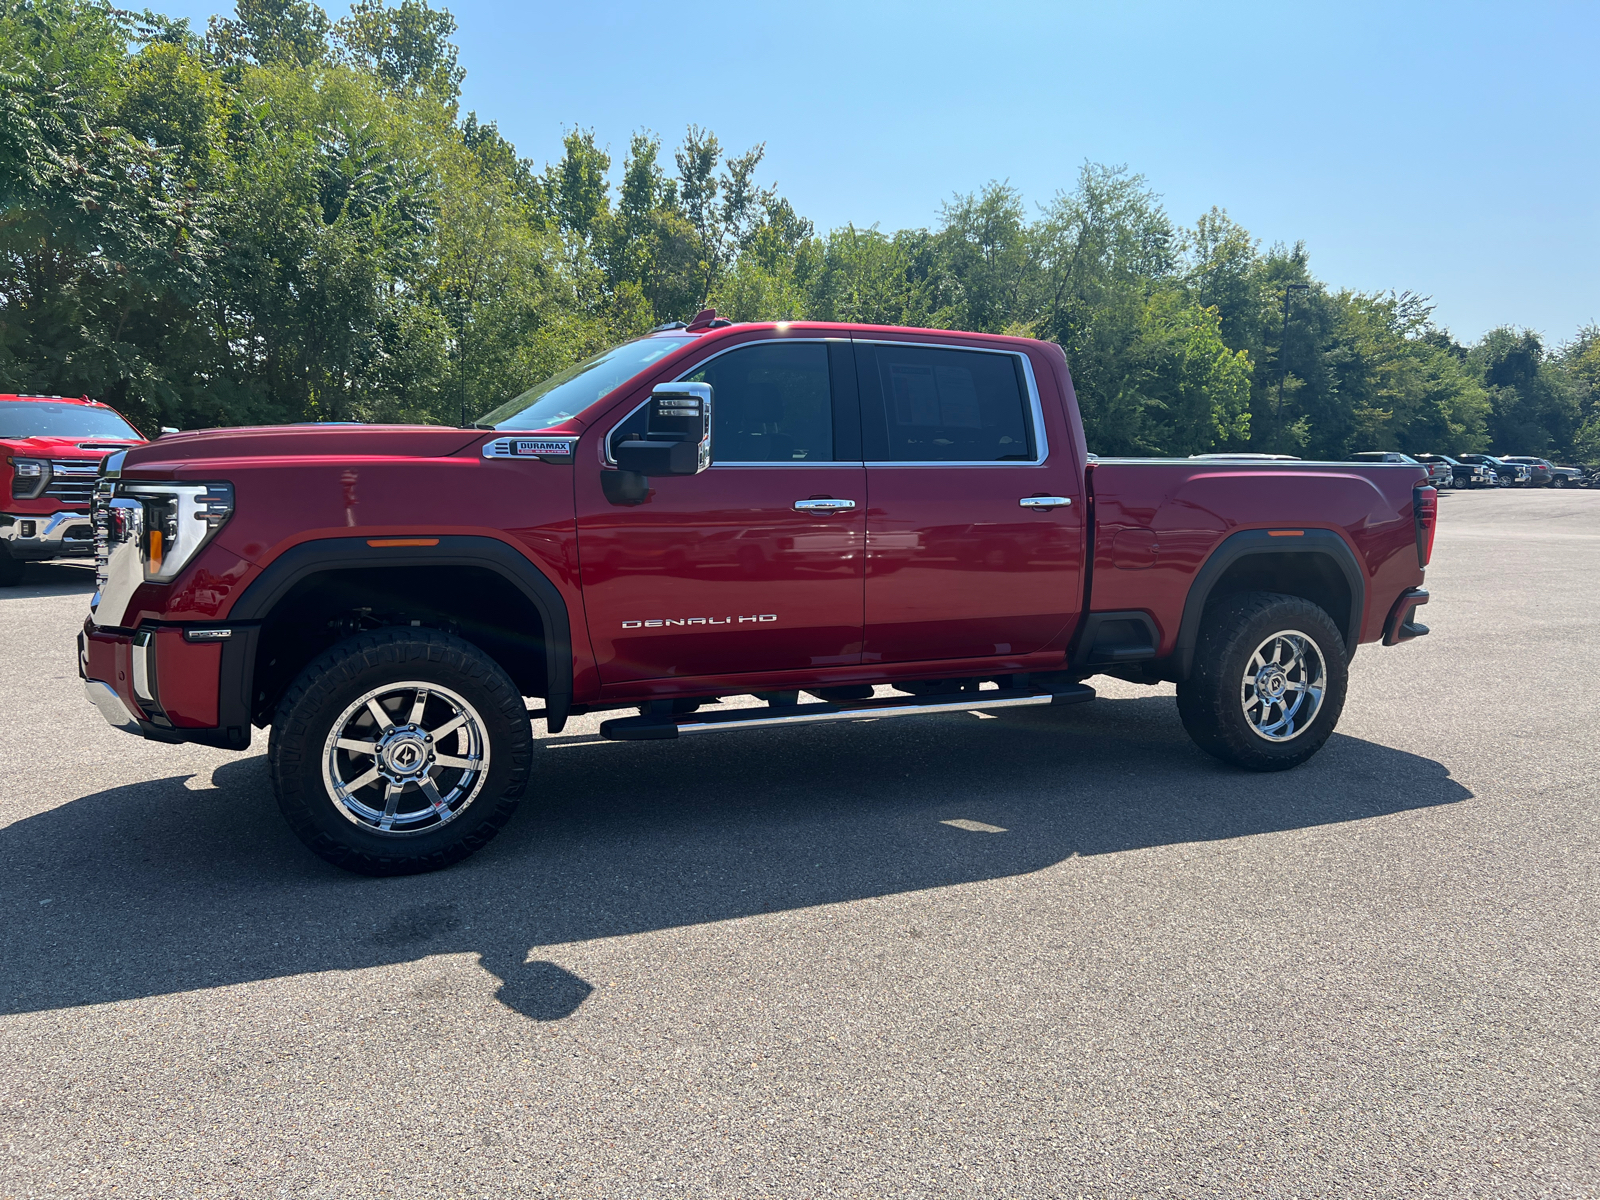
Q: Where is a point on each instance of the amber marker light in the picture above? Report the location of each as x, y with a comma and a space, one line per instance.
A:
402, 541
1286, 533
155, 549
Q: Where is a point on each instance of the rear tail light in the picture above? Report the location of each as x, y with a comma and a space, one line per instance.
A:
1425, 507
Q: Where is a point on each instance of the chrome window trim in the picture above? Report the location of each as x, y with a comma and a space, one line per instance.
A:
1041, 440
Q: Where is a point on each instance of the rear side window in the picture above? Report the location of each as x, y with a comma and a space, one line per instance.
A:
921, 404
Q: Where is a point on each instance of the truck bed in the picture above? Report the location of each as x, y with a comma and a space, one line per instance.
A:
1156, 521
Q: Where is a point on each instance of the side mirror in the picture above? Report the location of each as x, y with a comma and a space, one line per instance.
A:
677, 433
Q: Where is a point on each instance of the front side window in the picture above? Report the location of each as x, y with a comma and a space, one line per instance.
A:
567, 393
770, 403
921, 404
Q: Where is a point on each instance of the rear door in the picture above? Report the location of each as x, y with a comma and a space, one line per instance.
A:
975, 521
756, 563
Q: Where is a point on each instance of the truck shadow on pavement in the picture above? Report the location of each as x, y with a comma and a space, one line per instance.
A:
183, 883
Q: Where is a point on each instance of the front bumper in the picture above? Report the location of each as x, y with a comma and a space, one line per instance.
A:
160, 684
35, 536
111, 707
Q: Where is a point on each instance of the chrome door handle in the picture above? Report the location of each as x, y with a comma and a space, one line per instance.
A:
1045, 501
824, 506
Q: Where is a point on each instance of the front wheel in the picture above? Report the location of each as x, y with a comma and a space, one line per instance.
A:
10, 569
399, 751
1268, 681
1559, 481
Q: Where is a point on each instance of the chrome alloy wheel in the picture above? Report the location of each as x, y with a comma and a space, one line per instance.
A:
1283, 685
405, 758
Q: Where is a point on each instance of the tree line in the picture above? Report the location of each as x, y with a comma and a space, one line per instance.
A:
287, 218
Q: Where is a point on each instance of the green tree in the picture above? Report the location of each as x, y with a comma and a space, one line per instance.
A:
1534, 408
103, 244
408, 48
271, 32
1580, 359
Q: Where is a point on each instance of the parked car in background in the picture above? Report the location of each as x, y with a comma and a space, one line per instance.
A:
1567, 476
1540, 472
1439, 473
1462, 475
50, 452
1509, 474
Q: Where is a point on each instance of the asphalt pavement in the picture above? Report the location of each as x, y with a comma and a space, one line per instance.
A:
1048, 953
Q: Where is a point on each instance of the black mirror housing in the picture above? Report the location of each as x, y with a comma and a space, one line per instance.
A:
659, 458
677, 434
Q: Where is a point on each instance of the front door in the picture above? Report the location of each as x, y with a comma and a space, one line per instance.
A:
966, 555
756, 563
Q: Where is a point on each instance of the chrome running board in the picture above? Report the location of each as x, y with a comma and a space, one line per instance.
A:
654, 728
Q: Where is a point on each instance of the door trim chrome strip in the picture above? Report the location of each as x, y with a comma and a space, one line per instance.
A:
1035, 405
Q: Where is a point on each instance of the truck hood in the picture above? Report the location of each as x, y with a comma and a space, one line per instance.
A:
63, 447
176, 450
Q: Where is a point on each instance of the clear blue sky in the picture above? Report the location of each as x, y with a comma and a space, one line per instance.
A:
1449, 149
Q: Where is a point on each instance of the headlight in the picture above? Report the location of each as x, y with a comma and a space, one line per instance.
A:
30, 477
170, 522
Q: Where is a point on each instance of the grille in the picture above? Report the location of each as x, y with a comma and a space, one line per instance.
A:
72, 480
100, 517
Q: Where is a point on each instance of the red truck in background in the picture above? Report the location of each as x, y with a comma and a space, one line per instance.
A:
51, 448
797, 512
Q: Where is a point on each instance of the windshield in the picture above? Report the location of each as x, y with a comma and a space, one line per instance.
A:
571, 391
33, 418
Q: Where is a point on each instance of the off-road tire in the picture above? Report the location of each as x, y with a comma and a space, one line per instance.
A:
354, 667
10, 569
1210, 700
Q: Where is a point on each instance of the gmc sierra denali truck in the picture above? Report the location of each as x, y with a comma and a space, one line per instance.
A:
50, 452
840, 521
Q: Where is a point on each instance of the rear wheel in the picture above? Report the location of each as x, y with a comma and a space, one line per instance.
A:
1268, 681
1559, 481
399, 751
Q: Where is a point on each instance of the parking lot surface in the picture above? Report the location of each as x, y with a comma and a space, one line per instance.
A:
1042, 953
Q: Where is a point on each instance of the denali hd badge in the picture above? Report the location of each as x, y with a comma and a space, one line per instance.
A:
760, 619
547, 449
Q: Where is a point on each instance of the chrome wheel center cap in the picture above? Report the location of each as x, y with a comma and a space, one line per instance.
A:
1271, 683
405, 752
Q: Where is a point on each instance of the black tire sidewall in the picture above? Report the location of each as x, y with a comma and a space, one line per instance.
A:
1209, 702
337, 678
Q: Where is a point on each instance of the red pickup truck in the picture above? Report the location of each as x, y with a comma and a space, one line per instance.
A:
50, 452
820, 522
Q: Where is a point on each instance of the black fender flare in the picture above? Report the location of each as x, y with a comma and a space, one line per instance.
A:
1249, 543
344, 553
